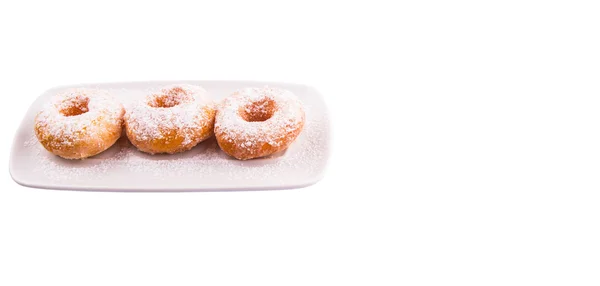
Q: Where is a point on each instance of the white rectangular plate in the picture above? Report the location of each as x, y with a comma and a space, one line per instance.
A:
204, 168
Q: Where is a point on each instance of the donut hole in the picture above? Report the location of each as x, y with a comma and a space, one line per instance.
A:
169, 98
75, 106
258, 110
164, 101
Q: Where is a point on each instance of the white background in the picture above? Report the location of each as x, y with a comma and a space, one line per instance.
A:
466, 144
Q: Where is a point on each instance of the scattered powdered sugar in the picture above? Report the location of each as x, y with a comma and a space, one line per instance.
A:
32, 141
202, 163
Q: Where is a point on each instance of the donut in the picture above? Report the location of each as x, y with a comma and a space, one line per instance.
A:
79, 123
257, 122
172, 120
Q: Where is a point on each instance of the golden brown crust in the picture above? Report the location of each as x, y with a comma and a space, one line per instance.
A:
234, 148
172, 141
257, 122
79, 123
174, 119
85, 145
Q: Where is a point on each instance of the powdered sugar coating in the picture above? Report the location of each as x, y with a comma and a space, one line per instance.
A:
282, 110
79, 122
68, 129
174, 108
204, 162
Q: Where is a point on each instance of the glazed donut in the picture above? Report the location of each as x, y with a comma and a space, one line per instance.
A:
79, 123
172, 120
257, 122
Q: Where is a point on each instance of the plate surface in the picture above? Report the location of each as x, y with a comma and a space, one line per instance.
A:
204, 168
